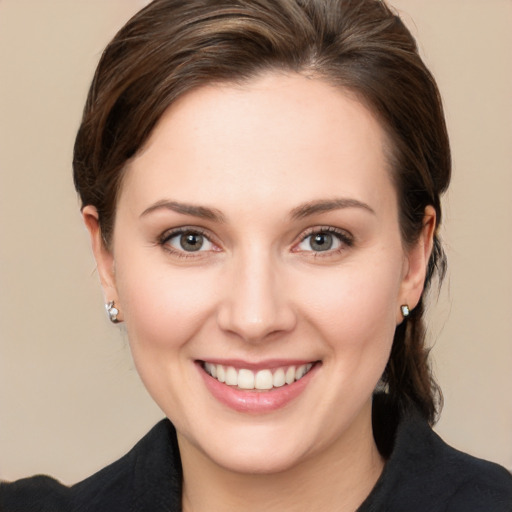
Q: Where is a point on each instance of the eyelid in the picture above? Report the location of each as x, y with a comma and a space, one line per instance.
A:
172, 232
343, 236
167, 235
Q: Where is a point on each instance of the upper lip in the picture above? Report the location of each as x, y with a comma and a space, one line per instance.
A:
267, 364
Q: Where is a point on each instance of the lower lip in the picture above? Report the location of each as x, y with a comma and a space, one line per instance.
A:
253, 401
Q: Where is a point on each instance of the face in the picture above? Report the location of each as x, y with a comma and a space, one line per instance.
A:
258, 266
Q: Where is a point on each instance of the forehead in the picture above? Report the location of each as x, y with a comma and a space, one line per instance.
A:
278, 135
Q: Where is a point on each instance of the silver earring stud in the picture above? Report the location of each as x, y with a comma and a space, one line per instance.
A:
404, 308
112, 312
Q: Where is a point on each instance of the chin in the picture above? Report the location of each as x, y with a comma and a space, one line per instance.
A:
257, 447
258, 458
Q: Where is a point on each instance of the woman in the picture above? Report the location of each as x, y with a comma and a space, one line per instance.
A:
261, 182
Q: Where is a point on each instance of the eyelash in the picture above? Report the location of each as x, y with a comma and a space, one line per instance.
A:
169, 235
345, 238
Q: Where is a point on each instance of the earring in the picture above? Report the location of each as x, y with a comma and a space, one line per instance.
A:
112, 312
404, 308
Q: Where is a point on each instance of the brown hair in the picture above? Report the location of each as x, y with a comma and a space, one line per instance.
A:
173, 46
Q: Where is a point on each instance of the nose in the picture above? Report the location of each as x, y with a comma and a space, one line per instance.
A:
256, 303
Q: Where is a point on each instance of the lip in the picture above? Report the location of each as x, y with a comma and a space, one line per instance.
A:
255, 401
270, 364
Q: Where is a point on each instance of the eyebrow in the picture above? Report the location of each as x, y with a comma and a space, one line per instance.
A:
201, 212
327, 205
300, 212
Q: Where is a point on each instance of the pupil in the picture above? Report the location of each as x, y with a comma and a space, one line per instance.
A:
191, 241
321, 242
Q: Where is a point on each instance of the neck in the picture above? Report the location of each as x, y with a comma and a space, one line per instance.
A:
337, 479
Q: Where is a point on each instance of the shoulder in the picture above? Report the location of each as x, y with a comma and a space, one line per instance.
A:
37, 494
462, 483
469, 483
425, 474
137, 481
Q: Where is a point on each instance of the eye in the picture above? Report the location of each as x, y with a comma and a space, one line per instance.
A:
187, 241
324, 240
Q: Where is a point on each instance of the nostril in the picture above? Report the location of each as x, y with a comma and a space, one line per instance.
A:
256, 328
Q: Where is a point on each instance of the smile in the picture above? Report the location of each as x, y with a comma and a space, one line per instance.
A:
261, 380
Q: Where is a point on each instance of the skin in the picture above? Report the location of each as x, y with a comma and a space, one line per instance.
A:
255, 155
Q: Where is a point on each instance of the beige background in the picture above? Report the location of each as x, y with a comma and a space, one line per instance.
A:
70, 400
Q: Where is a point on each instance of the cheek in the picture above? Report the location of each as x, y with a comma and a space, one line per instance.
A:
163, 310
163, 307
356, 315
355, 306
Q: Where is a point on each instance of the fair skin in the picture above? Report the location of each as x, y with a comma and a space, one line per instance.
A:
258, 230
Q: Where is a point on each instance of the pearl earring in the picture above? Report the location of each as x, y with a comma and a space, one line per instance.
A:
112, 312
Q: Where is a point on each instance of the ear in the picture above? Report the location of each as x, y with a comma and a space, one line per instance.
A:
416, 262
103, 256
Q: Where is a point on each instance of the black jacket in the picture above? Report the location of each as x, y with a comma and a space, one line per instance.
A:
422, 474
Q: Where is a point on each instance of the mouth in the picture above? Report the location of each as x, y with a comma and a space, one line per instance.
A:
264, 379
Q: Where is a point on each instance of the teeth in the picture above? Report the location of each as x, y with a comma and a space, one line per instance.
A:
261, 380
231, 376
211, 369
245, 379
302, 370
290, 375
278, 379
